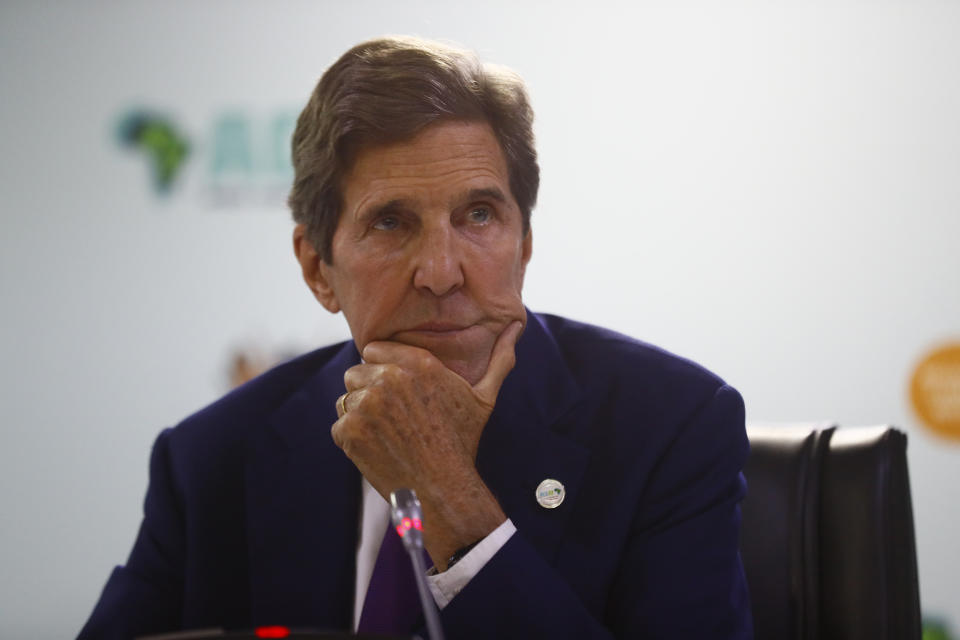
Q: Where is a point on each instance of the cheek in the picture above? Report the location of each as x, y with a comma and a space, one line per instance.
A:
515, 269
368, 274
502, 280
375, 294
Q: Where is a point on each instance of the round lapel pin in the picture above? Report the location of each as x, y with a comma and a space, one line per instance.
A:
550, 493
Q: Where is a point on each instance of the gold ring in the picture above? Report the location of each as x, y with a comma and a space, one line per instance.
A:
342, 404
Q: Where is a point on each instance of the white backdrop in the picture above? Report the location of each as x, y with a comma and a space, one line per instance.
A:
769, 189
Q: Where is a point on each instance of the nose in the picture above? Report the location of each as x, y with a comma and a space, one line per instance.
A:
439, 267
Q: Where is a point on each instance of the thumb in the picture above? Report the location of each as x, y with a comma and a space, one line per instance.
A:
502, 359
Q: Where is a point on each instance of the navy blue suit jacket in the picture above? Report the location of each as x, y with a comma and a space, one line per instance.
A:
251, 516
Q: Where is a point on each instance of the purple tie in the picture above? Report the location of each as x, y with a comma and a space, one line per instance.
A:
392, 605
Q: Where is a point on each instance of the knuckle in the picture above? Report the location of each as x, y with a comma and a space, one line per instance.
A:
336, 432
346, 433
394, 375
377, 402
360, 400
427, 361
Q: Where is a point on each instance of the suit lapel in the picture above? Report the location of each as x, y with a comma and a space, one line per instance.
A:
303, 509
524, 442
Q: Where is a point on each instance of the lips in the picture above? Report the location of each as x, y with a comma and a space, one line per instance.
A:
439, 332
439, 327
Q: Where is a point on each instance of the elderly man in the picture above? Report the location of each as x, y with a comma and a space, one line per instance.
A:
575, 483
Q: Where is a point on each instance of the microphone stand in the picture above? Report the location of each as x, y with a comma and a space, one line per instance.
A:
407, 518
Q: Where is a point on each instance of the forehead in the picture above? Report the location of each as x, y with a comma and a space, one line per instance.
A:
442, 158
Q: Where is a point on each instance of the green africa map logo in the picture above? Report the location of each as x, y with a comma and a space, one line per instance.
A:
240, 158
165, 147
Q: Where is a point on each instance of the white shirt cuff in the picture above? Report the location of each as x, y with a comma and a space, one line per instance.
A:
444, 586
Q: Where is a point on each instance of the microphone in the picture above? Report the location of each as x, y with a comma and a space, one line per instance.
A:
407, 518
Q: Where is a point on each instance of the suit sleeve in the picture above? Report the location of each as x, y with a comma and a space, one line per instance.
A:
679, 572
145, 596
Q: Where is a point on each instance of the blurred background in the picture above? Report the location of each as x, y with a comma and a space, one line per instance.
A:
771, 189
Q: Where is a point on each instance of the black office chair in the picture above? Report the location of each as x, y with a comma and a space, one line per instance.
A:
827, 537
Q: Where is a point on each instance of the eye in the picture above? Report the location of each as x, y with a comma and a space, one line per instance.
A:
386, 223
480, 215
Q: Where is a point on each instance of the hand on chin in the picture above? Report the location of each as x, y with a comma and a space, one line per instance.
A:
408, 421
465, 351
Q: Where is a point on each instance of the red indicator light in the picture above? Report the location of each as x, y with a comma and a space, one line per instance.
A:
272, 632
400, 530
407, 523
417, 524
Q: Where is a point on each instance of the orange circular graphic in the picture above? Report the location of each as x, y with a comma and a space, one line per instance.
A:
935, 390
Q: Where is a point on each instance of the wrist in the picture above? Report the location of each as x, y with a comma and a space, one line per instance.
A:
454, 523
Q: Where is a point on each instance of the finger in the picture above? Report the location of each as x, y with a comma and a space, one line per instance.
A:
362, 375
502, 360
405, 355
338, 429
342, 405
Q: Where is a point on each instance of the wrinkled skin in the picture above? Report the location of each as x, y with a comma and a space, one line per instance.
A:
427, 266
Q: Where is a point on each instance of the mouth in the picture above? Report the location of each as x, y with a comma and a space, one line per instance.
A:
435, 333
439, 327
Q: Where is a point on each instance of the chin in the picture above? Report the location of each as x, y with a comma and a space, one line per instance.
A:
472, 372
466, 353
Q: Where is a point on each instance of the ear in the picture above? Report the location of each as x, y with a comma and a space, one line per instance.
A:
315, 270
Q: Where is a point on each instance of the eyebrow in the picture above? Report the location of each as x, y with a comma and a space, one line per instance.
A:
402, 204
486, 193
389, 207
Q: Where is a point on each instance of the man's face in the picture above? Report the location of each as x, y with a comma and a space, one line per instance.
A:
429, 250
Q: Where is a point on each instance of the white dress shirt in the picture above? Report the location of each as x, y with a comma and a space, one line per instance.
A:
374, 520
